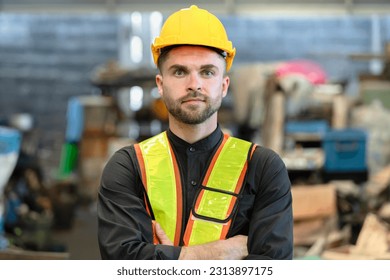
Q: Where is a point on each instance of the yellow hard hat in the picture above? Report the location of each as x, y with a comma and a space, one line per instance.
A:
194, 26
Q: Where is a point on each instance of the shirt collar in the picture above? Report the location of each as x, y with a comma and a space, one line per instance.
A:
204, 144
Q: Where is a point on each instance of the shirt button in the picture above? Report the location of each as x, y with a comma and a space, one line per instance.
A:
192, 149
193, 182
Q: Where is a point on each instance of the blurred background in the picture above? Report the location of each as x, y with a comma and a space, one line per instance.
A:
311, 80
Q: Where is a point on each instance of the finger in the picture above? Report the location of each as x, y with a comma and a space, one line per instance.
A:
161, 235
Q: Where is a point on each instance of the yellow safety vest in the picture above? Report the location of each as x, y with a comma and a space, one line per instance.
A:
211, 215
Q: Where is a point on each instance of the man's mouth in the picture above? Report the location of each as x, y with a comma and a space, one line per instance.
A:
193, 100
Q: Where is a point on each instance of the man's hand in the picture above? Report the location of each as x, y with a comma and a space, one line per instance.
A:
161, 235
234, 248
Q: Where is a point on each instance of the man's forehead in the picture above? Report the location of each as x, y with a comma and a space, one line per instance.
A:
192, 49
203, 55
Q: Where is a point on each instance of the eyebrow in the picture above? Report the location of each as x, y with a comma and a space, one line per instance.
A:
208, 66
183, 67
177, 66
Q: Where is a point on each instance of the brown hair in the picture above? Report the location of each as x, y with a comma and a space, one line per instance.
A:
164, 54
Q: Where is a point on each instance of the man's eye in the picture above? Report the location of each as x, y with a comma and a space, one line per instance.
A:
208, 73
179, 72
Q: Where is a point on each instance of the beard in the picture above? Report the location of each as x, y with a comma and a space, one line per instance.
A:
192, 114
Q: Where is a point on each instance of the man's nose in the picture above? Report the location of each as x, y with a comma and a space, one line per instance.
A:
194, 82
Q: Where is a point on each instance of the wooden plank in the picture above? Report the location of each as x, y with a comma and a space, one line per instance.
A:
372, 239
306, 232
382, 177
273, 127
340, 112
314, 201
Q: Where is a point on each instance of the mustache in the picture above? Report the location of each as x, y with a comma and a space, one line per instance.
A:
193, 94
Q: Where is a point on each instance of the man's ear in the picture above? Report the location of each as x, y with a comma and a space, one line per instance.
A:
225, 85
159, 83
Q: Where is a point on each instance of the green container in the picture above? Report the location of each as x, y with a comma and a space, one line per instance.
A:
68, 161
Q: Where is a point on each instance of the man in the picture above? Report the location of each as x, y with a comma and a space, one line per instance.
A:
193, 192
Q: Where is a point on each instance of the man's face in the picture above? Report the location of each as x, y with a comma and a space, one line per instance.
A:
192, 83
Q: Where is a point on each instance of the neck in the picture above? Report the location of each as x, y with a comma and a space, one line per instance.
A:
193, 133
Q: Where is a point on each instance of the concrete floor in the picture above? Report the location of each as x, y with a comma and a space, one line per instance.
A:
81, 239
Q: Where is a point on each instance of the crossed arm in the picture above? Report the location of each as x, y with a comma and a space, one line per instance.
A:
125, 231
233, 248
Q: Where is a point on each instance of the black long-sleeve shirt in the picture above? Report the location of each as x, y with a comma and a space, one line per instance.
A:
264, 210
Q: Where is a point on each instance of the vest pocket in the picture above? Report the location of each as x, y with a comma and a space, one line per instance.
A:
214, 205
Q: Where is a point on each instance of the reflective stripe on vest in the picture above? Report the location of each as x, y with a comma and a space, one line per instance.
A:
210, 218
161, 180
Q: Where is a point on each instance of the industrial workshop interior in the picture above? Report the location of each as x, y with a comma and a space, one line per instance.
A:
310, 80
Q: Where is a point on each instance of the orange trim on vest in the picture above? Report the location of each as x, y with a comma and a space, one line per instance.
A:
179, 196
141, 164
187, 233
253, 150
